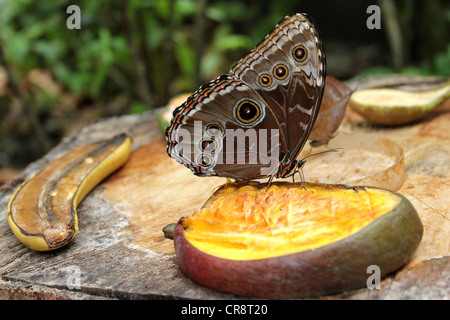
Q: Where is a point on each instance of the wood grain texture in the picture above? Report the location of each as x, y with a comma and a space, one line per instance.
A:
121, 252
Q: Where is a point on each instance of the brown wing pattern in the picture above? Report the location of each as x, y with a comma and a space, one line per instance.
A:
205, 136
295, 98
272, 94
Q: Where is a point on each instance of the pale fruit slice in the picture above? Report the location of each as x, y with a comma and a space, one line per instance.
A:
386, 106
364, 160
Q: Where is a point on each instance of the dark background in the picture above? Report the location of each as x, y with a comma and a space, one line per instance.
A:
131, 56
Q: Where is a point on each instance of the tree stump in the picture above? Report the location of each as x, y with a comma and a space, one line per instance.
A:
120, 251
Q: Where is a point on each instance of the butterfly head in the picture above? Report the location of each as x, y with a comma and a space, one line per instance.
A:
290, 169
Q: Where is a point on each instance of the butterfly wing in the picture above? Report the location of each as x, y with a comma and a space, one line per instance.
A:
225, 129
243, 125
287, 69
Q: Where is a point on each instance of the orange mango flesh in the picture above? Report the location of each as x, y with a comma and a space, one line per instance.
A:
249, 222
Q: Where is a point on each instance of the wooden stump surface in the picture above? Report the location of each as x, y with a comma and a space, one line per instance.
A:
120, 250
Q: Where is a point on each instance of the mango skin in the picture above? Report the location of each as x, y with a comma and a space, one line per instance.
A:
388, 242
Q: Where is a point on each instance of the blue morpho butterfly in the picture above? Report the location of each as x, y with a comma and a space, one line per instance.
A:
253, 122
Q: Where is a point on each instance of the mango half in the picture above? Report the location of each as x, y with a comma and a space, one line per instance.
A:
287, 241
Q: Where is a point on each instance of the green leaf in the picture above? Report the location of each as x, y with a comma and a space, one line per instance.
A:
413, 71
186, 59
18, 48
51, 50
138, 107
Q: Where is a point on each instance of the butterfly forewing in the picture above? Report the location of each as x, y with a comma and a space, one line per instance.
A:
296, 96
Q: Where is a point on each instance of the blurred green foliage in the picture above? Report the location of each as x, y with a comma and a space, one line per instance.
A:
134, 55
158, 36
439, 65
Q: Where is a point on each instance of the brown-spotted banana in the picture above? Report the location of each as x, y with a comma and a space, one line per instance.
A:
42, 212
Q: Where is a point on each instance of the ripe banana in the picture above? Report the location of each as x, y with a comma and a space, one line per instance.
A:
42, 211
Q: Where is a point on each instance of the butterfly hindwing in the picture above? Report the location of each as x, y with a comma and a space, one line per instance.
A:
212, 136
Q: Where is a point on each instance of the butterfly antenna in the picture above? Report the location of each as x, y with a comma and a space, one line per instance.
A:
301, 163
269, 182
318, 153
299, 170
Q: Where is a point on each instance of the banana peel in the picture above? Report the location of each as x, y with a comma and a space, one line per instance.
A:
42, 213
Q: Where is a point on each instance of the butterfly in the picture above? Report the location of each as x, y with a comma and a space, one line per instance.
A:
253, 122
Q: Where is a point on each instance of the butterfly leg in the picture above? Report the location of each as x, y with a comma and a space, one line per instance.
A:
269, 182
302, 177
